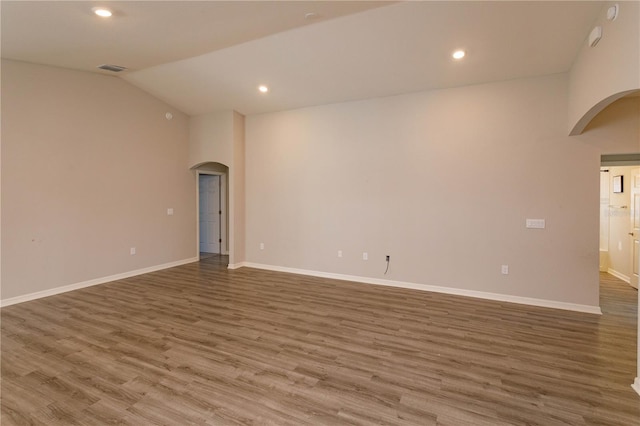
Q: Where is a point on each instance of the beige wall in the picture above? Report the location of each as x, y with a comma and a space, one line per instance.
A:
238, 214
441, 181
210, 138
603, 73
90, 165
219, 137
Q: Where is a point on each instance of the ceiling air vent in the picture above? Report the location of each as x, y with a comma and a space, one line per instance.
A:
113, 68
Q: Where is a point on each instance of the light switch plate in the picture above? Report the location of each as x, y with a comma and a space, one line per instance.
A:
536, 223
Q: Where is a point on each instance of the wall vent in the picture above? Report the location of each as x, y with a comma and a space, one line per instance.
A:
113, 68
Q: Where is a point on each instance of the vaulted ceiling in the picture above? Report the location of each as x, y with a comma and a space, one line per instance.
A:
206, 56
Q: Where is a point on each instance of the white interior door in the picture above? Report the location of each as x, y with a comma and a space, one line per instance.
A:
209, 214
635, 226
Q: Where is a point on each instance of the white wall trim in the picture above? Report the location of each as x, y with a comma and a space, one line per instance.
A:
436, 289
224, 219
424, 287
237, 265
617, 274
636, 385
89, 283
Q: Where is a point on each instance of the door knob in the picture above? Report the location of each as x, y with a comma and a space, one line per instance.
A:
631, 233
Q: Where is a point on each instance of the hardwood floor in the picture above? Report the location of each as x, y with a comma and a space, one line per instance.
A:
200, 344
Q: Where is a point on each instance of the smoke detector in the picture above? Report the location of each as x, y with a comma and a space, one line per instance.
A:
595, 36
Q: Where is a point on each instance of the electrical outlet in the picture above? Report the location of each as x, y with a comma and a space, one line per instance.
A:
132, 251
261, 246
505, 269
169, 211
339, 253
365, 256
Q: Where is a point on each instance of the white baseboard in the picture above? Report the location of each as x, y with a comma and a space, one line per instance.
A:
96, 281
236, 265
436, 289
424, 287
636, 385
617, 274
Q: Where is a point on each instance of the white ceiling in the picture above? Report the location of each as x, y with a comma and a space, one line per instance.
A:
208, 56
142, 34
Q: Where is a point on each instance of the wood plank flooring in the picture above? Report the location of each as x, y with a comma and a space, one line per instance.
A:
202, 345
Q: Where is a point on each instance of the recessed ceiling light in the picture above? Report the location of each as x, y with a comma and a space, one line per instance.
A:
458, 54
102, 12
263, 89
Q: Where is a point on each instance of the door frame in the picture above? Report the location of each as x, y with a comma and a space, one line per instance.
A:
205, 214
633, 281
623, 160
224, 208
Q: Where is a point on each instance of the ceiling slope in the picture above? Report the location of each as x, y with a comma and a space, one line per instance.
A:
385, 51
366, 50
142, 34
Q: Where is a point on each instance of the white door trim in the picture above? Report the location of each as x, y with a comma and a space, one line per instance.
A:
634, 188
223, 206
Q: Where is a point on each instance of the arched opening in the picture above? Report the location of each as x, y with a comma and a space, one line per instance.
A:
582, 124
625, 207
